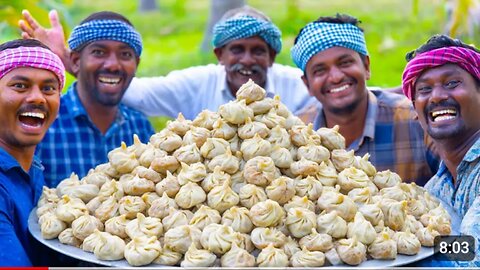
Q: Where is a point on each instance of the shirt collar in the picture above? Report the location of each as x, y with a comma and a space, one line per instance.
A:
75, 108
473, 153
8, 162
222, 84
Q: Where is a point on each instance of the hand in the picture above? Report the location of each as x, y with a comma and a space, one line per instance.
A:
52, 37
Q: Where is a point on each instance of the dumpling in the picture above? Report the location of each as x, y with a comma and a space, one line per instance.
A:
235, 112
412, 224
237, 218
234, 144
164, 164
195, 173
351, 178
195, 257
180, 125
217, 178
363, 164
272, 257
67, 183
293, 120
123, 160
180, 238
92, 205
281, 157
290, 246
316, 241
394, 193
227, 162
281, 108
313, 152
107, 169
222, 129
386, 179
332, 224
304, 167
131, 205
168, 185
217, 238
395, 213
302, 202
250, 129
137, 147
46, 208
69, 209
271, 119
407, 243
327, 175
91, 241
331, 138
137, 186
342, 159
306, 258
109, 247
237, 257
111, 188
196, 135
267, 213
66, 237
51, 226
107, 210
243, 241
205, 216
362, 229
300, 221
190, 195
308, 186
142, 250
259, 171
206, 119
222, 197
214, 147
383, 247
261, 106
49, 195
279, 137
250, 92
149, 197
351, 251
166, 140
150, 154
263, 237
168, 257
427, 235
116, 226
96, 178
372, 212
250, 195
416, 208
160, 207
344, 206
281, 189
255, 147
361, 196
188, 154
86, 225
302, 135
238, 181
176, 218
144, 226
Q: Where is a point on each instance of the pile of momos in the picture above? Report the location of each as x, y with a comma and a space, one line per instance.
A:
249, 185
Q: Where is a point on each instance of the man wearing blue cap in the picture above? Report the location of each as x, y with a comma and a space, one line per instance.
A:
105, 52
333, 56
246, 43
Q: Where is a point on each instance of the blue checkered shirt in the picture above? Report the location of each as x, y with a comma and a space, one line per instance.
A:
394, 139
463, 196
74, 144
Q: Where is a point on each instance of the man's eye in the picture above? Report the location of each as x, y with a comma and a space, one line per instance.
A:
49, 89
423, 89
127, 55
20, 85
97, 52
345, 63
452, 84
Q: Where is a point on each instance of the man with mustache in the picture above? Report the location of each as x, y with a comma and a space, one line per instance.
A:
442, 78
246, 43
105, 52
333, 55
31, 80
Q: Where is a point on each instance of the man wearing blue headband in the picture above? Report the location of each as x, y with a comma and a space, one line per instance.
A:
333, 56
246, 43
105, 52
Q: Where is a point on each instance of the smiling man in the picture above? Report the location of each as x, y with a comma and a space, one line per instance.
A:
442, 78
333, 56
246, 43
31, 80
105, 52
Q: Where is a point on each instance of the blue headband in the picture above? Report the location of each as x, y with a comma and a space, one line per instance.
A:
319, 36
244, 27
105, 30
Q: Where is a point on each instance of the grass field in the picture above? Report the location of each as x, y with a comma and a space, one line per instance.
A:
173, 34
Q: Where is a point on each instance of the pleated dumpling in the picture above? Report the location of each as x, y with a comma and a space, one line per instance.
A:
214, 147
205, 119
85, 225
137, 186
144, 226
362, 163
96, 178
255, 147
331, 223
281, 189
69, 209
331, 138
180, 125
160, 207
116, 226
188, 154
259, 171
190, 195
205, 216
372, 212
308, 186
271, 119
176, 218
427, 235
180, 238
107, 209
250, 92
384, 179
236, 112
195, 173
407, 243
327, 175
227, 162
195, 257
383, 247
168, 185
304, 167
123, 160
316, 241
351, 251
238, 218
272, 257
281, 157
251, 128
222, 197
66, 237
279, 137
290, 247
350, 178
51, 226
216, 178
362, 229
237, 257
307, 258
262, 237
261, 106
342, 159
303, 135
267, 213
302, 202
168, 257
250, 195
142, 250
222, 129
300, 221
66, 184
166, 140
49, 195
313, 152
217, 238
196, 135
109, 247
131, 205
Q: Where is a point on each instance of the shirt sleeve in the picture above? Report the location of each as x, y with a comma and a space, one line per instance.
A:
471, 226
12, 252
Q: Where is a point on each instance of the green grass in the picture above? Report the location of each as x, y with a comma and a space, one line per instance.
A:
173, 34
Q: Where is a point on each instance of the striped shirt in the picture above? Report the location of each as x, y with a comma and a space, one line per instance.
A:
463, 196
392, 137
74, 144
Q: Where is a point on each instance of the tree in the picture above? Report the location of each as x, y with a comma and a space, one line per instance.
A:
217, 9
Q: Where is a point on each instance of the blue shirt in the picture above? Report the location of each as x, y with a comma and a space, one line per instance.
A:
392, 136
74, 144
194, 89
463, 196
19, 193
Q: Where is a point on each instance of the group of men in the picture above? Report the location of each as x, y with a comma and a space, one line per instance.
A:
441, 83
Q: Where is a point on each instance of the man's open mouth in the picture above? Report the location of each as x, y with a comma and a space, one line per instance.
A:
32, 119
443, 115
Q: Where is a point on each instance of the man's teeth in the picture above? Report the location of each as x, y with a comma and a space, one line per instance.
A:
109, 80
443, 115
339, 89
245, 72
33, 114
443, 118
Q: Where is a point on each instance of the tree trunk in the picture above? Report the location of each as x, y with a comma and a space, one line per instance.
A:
147, 6
217, 9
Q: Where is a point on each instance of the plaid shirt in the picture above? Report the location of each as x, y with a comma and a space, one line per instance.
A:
463, 197
74, 144
393, 138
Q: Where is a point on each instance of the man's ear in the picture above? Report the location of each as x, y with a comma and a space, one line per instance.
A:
75, 60
273, 54
366, 64
305, 81
218, 53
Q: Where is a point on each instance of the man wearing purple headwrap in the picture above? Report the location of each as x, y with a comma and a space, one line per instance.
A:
442, 78
246, 43
31, 80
